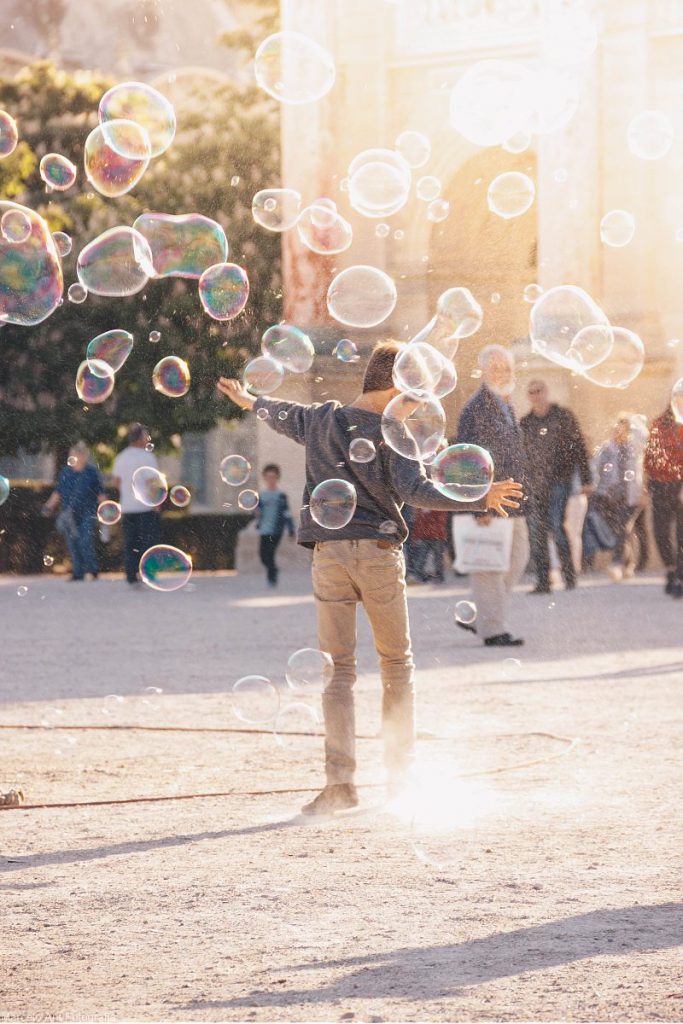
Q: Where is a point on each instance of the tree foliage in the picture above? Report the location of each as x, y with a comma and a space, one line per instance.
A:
226, 148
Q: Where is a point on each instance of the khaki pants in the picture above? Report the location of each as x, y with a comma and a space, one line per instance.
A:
490, 589
346, 572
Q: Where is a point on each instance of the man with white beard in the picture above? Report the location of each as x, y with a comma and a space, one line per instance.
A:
489, 421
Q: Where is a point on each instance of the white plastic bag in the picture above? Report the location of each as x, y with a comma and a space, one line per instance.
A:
481, 548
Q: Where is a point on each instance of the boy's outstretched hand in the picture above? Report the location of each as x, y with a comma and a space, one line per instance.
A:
236, 392
502, 495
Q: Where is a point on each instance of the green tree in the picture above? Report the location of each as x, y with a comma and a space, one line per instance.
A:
226, 148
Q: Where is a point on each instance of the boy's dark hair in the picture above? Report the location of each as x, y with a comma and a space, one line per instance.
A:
378, 372
271, 468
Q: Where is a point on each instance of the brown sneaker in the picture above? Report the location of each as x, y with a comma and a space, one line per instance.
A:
331, 799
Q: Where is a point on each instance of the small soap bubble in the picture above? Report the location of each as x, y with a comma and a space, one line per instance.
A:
346, 351
62, 242
650, 135
532, 292
379, 183
333, 503
463, 472
164, 567
289, 346
224, 291
247, 500
9, 135
296, 728
309, 670
71, 461
465, 612
398, 234
255, 701
149, 486
94, 387
617, 228
235, 180
438, 210
77, 293
629, 475
543, 431
276, 209
495, 298
180, 496
235, 470
154, 336
108, 512
512, 668
262, 375
48, 561
57, 171
15, 226
362, 449
149, 447
171, 377
323, 230
262, 414
414, 147
22, 591
428, 188
282, 415
510, 194
382, 230
608, 467
293, 68
361, 296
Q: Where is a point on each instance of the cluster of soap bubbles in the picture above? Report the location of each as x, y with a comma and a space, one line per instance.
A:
257, 701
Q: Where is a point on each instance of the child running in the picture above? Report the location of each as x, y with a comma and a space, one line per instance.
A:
273, 518
362, 563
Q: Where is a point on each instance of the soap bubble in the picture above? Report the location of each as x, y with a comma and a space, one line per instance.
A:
361, 296
15, 226
149, 486
276, 209
322, 212
9, 135
556, 319
492, 101
154, 336
510, 194
111, 348
420, 367
532, 292
362, 449
146, 107
590, 346
325, 235
118, 262
333, 503
247, 500
4, 489
379, 183
184, 245
617, 228
57, 171
458, 315
31, 281
224, 290
414, 147
110, 173
465, 612
22, 591
262, 376
171, 377
93, 388
293, 68
62, 242
428, 188
76, 293
346, 351
309, 670
519, 142
382, 230
650, 135
108, 512
676, 403
288, 346
296, 729
438, 210
623, 364
282, 415
255, 700
413, 425
463, 472
235, 470
48, 560
180, 496
165, 568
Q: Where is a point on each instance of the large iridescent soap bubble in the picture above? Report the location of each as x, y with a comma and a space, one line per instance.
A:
289, 346
111, 348
379, 182
166, 568
617, 228
9, 135
149, 486
458, 315
276, 209
510, 194
94, 381
171, 377
262, 375
235, 470
182, 246
650, 135
556, 319
323, 230
413, 424
361, 296
117, 262
677, 400
492, 101
333, 503
293, 68
224, 291
147, 107
110, 173
463, 472
57, 171
623, 363
31, 282
414, 147
420, 367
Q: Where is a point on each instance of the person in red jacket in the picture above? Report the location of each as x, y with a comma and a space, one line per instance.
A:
429, 533
664, 467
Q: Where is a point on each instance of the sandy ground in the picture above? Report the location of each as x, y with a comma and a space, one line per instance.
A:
545, 892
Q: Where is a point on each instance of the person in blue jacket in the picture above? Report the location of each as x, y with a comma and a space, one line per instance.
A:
78, 492
274, 518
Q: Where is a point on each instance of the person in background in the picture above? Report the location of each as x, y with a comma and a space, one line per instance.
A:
141, 524
664, 467
488, 420
78, 492
555, 453
429, 534
618, 477
273, 518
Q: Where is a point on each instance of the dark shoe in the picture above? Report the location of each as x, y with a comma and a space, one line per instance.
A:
332, 798
77, 579
540, 589
466, 626
670, 583
570, 585
503, 640
677, 589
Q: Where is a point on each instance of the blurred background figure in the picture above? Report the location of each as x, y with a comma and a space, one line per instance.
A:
619, 493
555, 455
274, 518
664, 467
141, 524
429, 535
78, 492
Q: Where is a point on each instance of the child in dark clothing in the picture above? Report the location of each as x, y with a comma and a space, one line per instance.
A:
273, 519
